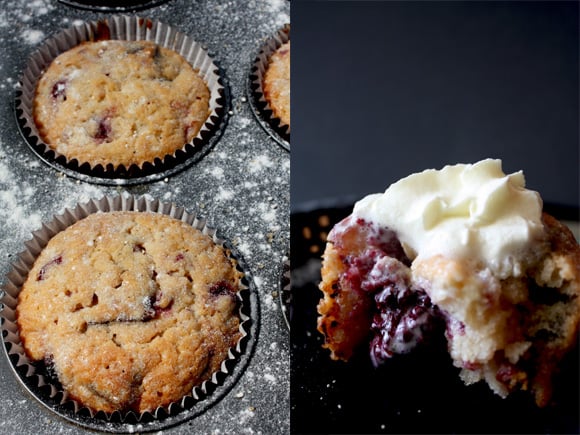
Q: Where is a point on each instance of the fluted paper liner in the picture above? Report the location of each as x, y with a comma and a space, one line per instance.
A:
260, 106
286, 292
38, 380
130, 28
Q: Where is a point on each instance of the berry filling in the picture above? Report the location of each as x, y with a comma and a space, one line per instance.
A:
405, 316
400, 315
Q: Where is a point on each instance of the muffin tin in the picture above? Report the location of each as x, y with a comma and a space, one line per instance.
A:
239, 182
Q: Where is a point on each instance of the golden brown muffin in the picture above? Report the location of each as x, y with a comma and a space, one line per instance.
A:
276, 83
119, 102
130, 309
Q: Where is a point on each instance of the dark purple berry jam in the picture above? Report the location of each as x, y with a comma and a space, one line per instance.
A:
377, 268
404, 319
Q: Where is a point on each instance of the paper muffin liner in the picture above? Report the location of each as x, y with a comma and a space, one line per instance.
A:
260, 106
130, 28
286, 292
43, 385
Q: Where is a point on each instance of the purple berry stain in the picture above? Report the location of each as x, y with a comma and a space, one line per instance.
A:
59, 90
104, 130
221, 288
44, 269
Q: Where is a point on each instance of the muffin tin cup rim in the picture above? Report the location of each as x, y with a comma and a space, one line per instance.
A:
258, 104
125, 27
37, 383
94, 6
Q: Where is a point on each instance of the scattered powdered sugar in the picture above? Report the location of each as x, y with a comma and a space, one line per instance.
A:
244, 122
265, 10
217, 172
246, 414
225, 194
260, 163
270, 378
32, 36
15, 200
23, 11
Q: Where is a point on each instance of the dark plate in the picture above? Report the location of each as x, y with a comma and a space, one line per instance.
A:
417, 393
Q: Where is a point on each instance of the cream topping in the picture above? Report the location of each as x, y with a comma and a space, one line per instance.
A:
463, 211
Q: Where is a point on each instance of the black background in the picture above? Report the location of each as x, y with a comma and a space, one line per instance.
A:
384, 89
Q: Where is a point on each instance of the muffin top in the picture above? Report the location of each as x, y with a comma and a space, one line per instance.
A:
119, 102
276, 83
130, 310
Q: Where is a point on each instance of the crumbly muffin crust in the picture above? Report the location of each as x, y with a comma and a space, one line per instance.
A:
130, 309
119, 102
277, 83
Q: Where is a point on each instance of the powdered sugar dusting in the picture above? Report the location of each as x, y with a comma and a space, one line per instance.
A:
32, 36
22, 11
15, 200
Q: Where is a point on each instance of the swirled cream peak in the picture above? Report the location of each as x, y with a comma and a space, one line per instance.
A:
470, 211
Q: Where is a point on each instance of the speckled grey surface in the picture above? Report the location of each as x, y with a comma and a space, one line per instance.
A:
241, 186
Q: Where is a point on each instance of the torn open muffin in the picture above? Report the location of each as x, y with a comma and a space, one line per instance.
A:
467, 252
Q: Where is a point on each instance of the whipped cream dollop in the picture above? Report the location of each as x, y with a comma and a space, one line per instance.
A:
463, 211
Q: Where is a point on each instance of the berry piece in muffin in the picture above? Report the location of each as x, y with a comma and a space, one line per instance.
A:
470, 255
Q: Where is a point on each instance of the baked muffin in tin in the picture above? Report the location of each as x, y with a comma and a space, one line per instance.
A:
269, 86
123, 100
126, 311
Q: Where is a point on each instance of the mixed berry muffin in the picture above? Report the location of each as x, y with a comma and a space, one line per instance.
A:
276, 84
130, 310
120, 103
465, 252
